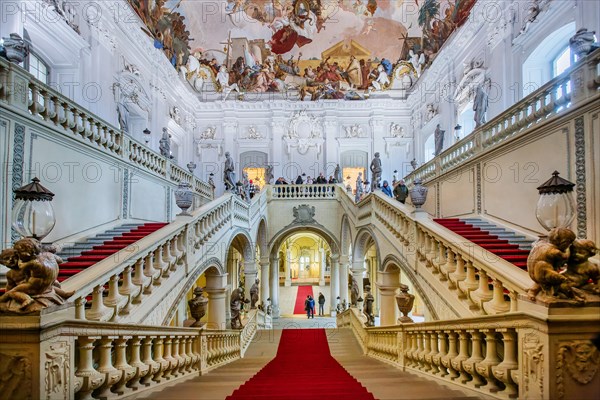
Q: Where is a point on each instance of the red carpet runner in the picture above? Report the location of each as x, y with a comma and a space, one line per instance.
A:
303, 291
297, 373
74, 265
490, 242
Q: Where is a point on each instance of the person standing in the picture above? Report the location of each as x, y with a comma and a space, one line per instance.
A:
386, 189
307, 306
311, 303
321, 304
401, 192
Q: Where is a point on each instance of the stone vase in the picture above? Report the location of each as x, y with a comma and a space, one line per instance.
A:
16, 48
191, 166
582, 42
405, 302
184, 197
418, 194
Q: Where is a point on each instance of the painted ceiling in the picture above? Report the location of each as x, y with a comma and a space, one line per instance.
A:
300, 28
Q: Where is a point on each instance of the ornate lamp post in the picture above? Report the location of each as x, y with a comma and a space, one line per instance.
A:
457, 130
33, 214
147, 135
555, 207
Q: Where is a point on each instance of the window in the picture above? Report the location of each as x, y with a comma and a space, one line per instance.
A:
562, 62
37, 67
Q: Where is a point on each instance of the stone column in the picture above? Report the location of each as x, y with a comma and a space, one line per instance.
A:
275, 286
358, 269
264, 280
388, 284
250, 273
343, 271
323, 266
288, 260
217, 300
334, 283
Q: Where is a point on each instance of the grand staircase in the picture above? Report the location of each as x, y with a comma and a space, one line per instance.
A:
85, 254
500, 241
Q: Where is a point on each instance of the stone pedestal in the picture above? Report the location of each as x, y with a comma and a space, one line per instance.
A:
217, 301
334, 284
264, 281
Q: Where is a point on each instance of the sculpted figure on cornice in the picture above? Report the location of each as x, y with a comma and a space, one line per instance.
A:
354, 131
430, 112
175, 115
396, 130
253, 133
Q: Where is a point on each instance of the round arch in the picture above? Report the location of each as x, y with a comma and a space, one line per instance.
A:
261, 238
364, 239
212, 264
345, 236
280, 236
241, 240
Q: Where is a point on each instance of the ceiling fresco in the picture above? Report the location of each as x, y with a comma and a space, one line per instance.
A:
329, 48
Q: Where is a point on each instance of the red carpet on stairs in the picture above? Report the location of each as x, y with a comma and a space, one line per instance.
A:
490, 242
74, 265
303, 291
297, 373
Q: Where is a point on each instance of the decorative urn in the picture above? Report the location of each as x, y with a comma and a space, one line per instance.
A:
405, 303
418, 194
16, 48
184, 197
191, 166
582, 42
198, 306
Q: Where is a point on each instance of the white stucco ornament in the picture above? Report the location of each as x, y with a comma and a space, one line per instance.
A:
304, 131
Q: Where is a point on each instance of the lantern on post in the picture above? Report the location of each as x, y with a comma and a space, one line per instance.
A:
33, 214
555, 207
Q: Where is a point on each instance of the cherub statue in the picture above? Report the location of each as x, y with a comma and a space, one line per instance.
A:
581, 272
31, 281
544, 263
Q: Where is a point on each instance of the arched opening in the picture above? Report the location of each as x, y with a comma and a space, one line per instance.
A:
241, 268
304, 258
365, 263
540, 65
389, 281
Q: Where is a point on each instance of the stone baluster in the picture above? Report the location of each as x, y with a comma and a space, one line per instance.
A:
105, 366
89, 378
470, 364
429, 357
175, 257
149, 270
158, 351
139, 278
178, 359
128, 289
498, 304
450, 266
114, 298
98, 310
441, 260
483, 293
452, 353
426, 366
418, 350
463, 354
484, 368
128, 371
141, 368
147, 359
437, 358
169, 373
509, 363
459, 275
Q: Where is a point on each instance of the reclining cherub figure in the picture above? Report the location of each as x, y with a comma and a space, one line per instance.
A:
33, 272
582, 273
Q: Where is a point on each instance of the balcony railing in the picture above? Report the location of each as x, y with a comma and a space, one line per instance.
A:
312, 191
578, 84
21, 93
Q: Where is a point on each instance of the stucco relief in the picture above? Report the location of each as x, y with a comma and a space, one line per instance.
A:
533, 367
57, 370
577, 360
15, 370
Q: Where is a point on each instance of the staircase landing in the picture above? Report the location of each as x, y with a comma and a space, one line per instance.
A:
381, 379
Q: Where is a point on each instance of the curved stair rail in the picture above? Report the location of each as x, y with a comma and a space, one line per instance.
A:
99, 360
483, 282
578, 84
160, 259
30, 98
256, 320
501, 356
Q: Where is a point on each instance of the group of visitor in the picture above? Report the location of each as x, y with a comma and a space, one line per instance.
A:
307, 180
309, 306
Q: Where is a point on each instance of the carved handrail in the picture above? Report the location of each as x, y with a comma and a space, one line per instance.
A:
22, 93
123, 359
311, 191
552, 99
249, 330
131, 274
480, 353
482, 281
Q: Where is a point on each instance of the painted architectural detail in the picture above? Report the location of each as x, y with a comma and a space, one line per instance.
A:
581, 177
304, 214
126, 180
478, 183
57, 371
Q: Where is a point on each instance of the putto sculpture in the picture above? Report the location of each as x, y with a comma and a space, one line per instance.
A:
31, 281
235, 307
561, 269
